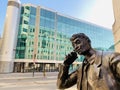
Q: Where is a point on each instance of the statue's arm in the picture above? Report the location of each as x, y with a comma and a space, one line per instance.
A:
115, 64
64, 79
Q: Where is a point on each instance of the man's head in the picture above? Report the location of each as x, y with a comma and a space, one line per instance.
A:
81, 43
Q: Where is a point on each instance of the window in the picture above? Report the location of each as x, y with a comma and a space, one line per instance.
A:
27, 7
25, 22
24, 30
32, 20
33, 11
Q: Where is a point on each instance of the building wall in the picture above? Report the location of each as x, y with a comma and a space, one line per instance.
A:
44, 34
0, 43
116, 25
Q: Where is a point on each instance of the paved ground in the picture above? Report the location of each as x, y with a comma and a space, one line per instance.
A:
26, 81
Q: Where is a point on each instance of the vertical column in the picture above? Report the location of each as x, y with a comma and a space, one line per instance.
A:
55, 36
116, 25
37, 24
9, 39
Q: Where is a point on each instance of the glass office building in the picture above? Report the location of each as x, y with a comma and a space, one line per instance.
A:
44, 34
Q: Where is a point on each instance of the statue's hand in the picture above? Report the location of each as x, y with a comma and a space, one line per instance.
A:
70, 58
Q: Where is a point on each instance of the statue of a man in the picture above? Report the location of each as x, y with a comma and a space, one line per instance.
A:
99, 70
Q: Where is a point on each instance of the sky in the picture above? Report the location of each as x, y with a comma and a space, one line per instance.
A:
99, 12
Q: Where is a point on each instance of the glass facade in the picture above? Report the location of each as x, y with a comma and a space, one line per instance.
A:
52, 31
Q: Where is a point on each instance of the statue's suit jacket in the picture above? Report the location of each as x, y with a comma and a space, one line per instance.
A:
100, 72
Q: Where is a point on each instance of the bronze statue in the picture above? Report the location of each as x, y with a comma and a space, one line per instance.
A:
99, 70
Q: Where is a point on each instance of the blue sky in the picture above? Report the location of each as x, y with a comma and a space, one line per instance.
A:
99, 12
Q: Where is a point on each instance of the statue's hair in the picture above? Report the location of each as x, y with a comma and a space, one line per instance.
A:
80, 35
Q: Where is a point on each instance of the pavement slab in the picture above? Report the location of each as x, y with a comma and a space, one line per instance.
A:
26, 81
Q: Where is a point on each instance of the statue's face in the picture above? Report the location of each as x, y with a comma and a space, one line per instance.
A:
80, 45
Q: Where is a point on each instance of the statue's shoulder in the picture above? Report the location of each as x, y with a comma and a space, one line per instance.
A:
105, 53
110, 54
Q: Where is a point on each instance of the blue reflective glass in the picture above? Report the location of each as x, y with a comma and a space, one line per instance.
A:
32, 20
47, 14
33, 11
47, 19
69, 26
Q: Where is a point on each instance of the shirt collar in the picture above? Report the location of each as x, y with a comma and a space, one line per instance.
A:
91, 60
95, 58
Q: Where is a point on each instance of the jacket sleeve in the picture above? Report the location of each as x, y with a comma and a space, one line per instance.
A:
115, 65
64, 79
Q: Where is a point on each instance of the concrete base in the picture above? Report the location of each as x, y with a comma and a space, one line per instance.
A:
6, 66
